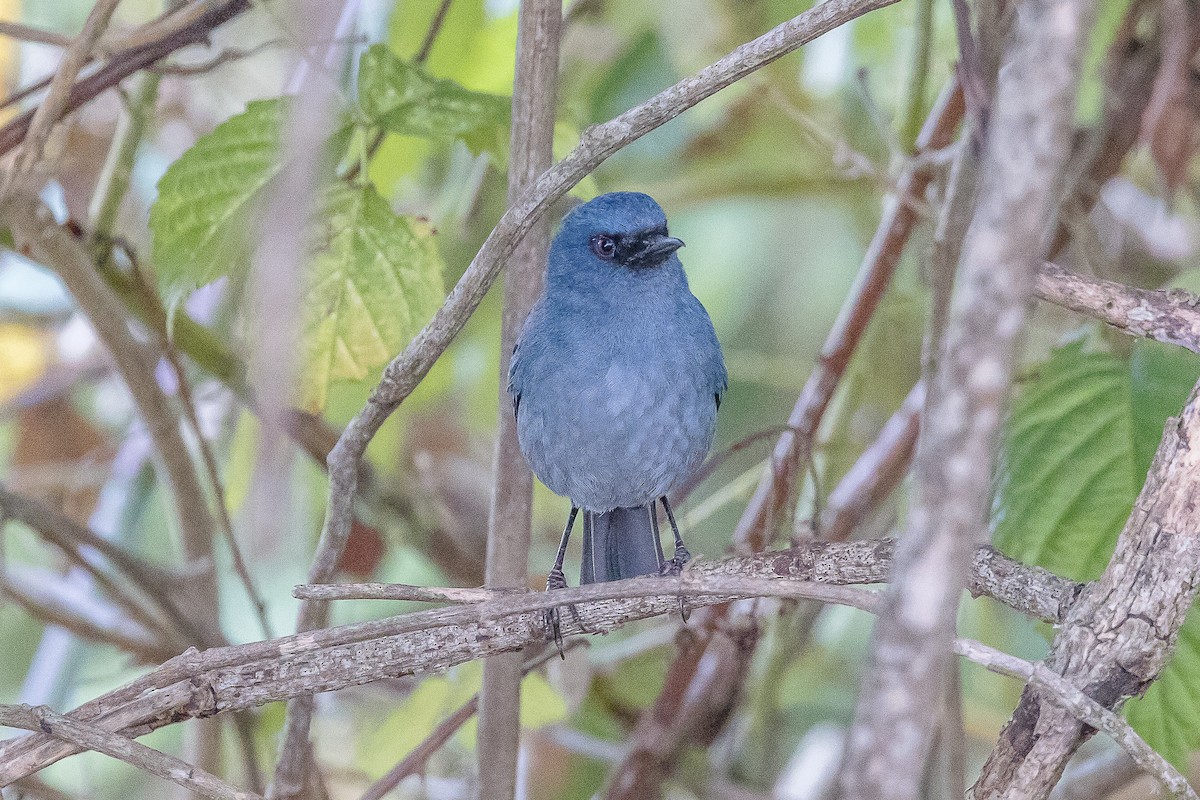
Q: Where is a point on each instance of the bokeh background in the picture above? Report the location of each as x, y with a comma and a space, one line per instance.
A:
776, 185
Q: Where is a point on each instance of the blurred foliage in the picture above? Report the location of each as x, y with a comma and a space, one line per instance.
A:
775, 184
1078, 445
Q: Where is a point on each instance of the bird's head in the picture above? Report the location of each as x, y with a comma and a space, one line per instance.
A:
623, 230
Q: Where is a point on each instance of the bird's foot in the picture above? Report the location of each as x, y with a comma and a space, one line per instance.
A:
676, 564
674, 568
553, 616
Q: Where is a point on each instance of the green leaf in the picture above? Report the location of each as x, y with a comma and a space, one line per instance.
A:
1166, 715
1067, 476
198, 220
1077, 447
403, 99
376, 281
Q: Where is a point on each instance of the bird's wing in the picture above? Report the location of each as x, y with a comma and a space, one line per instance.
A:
512, 388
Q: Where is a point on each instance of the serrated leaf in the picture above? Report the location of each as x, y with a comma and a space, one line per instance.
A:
403, 99
1076, 450
1067, 475
1166, 715
198, 220
376, 281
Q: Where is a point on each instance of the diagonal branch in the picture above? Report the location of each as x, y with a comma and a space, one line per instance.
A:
1118, 637
46, 116
155, 40
90, 737
56, 247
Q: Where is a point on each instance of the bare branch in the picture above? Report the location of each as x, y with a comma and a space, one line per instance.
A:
52, 108
510, 512
877, 473
200, 684
1171, 316
1083, 708
1121, 632
146, 45
56, 247
1028, 142
90, 737
48, 598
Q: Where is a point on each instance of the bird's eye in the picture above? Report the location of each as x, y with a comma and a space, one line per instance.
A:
604, 246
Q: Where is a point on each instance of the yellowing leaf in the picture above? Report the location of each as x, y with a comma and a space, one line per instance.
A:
372, 287
22, 358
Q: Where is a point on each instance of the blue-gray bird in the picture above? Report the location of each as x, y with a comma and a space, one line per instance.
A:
616, 380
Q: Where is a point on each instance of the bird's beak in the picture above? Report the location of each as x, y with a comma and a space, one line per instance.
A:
655, 250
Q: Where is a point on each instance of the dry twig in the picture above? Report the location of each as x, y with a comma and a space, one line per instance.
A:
91, 737
1028, 141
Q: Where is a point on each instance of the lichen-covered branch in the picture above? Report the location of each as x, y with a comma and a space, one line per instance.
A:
1170, 316
200, 684
1029, 137
1118, 636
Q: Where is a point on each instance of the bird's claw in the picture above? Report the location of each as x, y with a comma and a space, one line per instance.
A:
553, 616
674, 568
555, 580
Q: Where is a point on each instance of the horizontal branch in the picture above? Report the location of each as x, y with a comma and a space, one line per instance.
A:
1170, 316
201, 684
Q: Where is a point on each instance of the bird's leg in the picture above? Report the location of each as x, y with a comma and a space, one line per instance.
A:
557, 580
682, 556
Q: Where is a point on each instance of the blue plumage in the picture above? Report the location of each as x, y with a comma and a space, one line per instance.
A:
616, 380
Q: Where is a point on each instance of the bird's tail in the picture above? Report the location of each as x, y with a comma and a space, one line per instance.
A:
622, 543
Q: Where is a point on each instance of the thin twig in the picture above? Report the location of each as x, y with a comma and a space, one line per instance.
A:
48, 598
28, 33
1083, 708
354, 169
435, 27
91, 737
419, 756
53, 107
